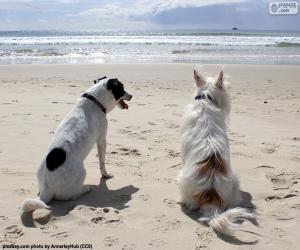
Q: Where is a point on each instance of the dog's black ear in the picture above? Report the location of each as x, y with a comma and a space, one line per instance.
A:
99, 79
111, 83
116, 87
198, 79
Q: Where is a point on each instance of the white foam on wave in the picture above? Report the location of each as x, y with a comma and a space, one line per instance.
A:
192, 40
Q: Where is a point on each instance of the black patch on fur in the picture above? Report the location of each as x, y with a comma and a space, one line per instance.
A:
55, 158
116, 87
99, 79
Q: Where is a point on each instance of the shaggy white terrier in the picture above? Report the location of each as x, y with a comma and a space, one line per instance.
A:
207, 181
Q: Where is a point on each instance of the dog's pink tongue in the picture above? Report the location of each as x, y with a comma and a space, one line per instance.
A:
123, 104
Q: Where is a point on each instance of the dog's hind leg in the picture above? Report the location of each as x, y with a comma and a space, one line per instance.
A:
101, 145
74, 189
80, 189
84, 189
45, 195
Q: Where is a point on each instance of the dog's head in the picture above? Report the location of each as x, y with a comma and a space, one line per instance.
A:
215, 90
111, 93
118, 92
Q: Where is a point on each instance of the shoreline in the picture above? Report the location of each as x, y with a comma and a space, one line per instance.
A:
151, 63
158, 62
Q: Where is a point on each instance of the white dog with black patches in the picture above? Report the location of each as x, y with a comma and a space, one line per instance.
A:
61, 173
207, 181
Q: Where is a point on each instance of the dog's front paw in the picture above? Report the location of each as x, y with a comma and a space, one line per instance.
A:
107, 176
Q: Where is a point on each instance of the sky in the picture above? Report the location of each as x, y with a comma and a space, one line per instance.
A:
98, 15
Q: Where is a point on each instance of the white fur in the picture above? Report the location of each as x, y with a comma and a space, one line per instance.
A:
85, 125
203, 134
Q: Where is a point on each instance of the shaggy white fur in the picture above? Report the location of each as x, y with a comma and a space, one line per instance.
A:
207, 181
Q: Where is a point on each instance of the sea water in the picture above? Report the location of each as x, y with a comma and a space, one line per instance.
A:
234, 47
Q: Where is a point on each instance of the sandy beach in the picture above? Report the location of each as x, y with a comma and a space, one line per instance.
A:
138, 209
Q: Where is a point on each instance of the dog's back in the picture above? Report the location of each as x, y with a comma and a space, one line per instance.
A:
206, 169
206, 180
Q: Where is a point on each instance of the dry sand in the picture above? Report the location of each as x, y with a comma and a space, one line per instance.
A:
137, 209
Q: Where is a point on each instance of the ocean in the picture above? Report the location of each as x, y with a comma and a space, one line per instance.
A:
224, 47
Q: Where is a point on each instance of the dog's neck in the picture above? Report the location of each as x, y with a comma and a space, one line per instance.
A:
95, 101
207, 96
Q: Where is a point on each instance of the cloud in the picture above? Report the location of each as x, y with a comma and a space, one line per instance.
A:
141, 14
37, 1
140, 8
35, 4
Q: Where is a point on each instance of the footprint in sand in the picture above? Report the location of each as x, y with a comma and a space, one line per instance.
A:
269, 150
99, 220
278, 232
270, 147
171, 105
283, 180
243, 155
22, 191
49, 229
295, 158
204, 238
279, 197
165, 225
151, 123
110, 241
171, 125
296, 139
264, 166
128, 151
164, 180
7, 172
157, 243
281, 214
172, 153
3, 218
60, 235
12, 232
175, 165
237, 135
107, 216
128, 132
145, 197
129, 247
170, 203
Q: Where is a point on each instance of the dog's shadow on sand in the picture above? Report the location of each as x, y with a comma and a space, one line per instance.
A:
99, 197
246, 202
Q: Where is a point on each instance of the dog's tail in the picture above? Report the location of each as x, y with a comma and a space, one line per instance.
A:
30, 205
226, 222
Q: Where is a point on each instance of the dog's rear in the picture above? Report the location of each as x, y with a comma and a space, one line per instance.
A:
206, 181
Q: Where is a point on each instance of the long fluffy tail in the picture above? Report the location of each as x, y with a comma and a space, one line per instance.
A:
226, 222
30, 205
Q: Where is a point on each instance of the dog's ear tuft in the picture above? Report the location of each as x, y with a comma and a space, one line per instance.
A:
99, 79
198, 79
220, 80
